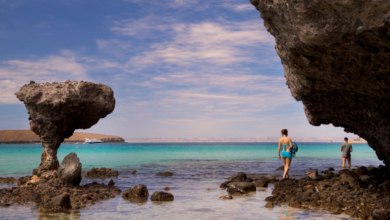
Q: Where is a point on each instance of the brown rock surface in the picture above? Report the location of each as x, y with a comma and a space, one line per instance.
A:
57, 109
335, 56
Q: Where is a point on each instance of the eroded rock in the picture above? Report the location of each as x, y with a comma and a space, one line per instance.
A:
69, 172
136, 194
57, 109
239, 188
335, 57
160, 196
101, 173
9, 180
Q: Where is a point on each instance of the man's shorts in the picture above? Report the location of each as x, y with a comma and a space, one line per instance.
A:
347, 157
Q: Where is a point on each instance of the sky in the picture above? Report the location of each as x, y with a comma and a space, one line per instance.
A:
178, 68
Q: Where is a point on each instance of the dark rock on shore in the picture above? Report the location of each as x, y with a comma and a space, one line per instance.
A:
226, 197
9, 180
165, 174
239, 188
134, 172
262, 182
241, 177
345, 192
136, 194
23, 180
69, 173
160, 196
378, 214
60, 203
280, 168
111, 183
101, 173
41, 191
4, 204
223, 186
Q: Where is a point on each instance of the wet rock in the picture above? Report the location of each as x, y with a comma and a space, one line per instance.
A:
57, 109
262, 183
167, 188
101, 173
386, 185
280, 168
241, 177
269, 205
161, 196
239, 188
69, 172
23, 180
378, 214
136, 194
165, 174
111, 183
223, 186
313, 175
361, 171
60, 203
226, 197
9, 180
134, 172
331, 169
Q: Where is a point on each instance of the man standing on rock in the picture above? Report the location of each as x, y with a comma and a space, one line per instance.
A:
346, 148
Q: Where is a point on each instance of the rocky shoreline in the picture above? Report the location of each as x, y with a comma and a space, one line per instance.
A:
362, 193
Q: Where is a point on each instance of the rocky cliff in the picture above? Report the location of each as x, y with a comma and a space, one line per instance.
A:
336, 54
57, 109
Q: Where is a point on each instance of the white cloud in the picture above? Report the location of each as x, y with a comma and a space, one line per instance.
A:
15, 73
220, 43
169, 3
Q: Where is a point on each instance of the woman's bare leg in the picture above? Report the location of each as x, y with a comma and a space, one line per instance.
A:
284, 162
343, 162
287, 167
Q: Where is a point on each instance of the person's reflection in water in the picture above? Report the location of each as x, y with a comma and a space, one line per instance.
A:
287, 213
59, 216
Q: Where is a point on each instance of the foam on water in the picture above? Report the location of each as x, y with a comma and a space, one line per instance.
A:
196, 168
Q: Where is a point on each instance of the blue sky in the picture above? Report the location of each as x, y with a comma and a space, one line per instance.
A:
178, 68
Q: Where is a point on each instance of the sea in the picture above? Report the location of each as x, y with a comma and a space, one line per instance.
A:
198, 168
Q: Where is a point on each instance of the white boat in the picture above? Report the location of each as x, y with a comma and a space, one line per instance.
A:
92, 141
358, 140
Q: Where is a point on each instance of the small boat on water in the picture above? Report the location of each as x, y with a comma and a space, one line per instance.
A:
358, 140
330, 142
92, 141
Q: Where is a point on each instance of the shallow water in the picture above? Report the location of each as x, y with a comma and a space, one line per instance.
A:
198, 170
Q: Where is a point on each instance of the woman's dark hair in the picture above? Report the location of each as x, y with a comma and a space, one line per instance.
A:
284, 132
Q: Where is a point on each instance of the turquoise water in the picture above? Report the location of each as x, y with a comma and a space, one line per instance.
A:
20, 159
198, 170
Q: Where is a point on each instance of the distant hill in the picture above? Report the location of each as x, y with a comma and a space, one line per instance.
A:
27, 136
232, 140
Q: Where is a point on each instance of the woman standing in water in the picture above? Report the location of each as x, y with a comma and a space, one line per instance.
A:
286, 143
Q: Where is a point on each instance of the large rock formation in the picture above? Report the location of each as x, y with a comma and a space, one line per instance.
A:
336, 56
57, 109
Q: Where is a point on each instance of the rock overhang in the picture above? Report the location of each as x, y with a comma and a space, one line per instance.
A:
335, 56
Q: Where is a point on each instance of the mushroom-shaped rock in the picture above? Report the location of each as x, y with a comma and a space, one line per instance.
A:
57, 109
69, 172
336, 56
